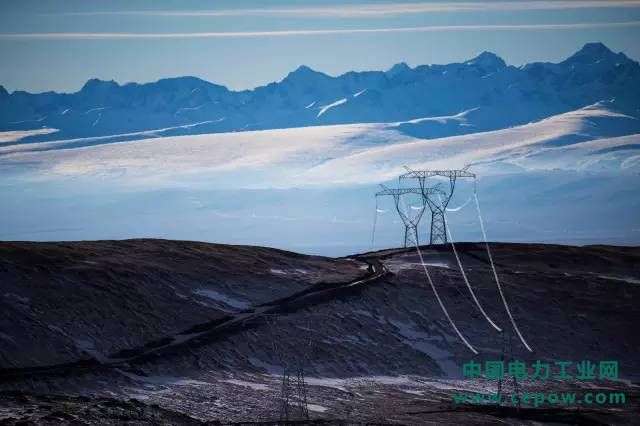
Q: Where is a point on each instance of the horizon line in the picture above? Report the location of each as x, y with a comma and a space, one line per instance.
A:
296, 68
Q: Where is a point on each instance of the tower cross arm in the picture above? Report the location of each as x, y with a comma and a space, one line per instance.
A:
423, 174
398, 191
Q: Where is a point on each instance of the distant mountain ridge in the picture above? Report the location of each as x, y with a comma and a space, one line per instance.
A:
493, 94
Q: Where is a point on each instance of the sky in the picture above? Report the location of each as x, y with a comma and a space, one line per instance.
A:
59, 45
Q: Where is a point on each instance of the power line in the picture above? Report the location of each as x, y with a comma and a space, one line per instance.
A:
442, 307
438, 200
464, 276
495, 275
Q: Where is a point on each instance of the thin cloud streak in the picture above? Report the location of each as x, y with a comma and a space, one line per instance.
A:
355, 11
289, 33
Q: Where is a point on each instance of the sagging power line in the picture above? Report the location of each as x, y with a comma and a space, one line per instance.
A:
437, 197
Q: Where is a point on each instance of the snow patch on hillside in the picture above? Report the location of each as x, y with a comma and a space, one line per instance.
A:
16, 135
331, 105
251, 385
219, 297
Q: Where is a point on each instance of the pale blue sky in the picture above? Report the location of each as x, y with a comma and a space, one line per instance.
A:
58, 45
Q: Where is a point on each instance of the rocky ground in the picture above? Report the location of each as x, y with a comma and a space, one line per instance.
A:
67, 301
175, 332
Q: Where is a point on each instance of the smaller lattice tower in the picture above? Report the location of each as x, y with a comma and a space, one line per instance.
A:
293, 404
509, 384
410, 223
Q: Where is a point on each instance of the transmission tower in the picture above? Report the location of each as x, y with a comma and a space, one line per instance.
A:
437, 198
293, 404
508, 385
293, 396
410, 224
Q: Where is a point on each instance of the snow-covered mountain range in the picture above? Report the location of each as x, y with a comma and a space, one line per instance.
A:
490, 93
295, 164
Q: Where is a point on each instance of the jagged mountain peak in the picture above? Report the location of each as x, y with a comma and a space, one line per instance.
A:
187, 82
487, 60
97, 84
397, 69
400, 93
595, 52
187, 79
303, 71
595, 48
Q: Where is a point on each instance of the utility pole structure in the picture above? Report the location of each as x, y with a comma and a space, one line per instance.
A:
437, 206
410, 224
293, 395
293, 403
503, 383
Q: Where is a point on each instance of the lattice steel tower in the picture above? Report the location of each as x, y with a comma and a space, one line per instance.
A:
410, 224
436, 197
293, 394
292, 401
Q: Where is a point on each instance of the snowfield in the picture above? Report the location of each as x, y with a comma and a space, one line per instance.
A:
17, 135
592, 138
310, 189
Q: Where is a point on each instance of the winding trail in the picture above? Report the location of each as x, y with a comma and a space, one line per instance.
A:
206, 332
